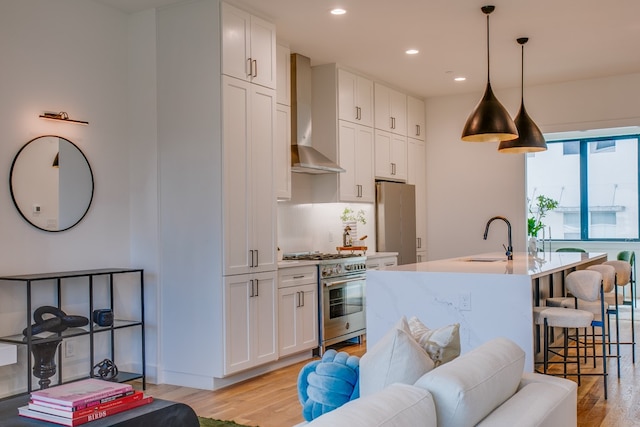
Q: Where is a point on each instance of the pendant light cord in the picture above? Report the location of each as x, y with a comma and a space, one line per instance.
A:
488, 56
522, 74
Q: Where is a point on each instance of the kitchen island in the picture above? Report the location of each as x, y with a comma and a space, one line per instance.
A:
488, 295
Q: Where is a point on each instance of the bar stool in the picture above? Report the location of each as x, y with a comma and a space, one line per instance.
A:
623, 278
585, 285
630, 257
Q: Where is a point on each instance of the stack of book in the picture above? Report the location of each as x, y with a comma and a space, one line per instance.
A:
79, 402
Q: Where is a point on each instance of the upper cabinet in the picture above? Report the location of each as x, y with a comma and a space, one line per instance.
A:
390, 156
282, 142
248, 47
283, 75
356, 156
416, 118
355, 98
390, 109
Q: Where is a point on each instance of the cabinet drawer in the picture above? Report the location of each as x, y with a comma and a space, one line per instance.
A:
294, 276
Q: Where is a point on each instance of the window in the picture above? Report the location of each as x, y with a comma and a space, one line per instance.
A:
594, 180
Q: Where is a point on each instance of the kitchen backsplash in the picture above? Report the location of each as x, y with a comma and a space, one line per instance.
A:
318, 227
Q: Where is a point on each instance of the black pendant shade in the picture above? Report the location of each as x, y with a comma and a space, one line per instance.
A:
489, 121
530, 138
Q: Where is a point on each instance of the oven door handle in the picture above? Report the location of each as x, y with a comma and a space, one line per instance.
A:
344, 282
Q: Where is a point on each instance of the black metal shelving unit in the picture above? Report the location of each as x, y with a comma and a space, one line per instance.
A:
31, 280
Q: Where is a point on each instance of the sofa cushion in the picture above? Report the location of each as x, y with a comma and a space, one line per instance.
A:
442, 344
396, 358
468, 388
396, 405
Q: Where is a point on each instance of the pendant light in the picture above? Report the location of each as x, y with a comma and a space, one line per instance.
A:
489, 121
530, 138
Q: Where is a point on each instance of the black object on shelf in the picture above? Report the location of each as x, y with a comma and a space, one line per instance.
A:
57, 331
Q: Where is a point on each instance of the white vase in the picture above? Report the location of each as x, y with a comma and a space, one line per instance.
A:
532, 247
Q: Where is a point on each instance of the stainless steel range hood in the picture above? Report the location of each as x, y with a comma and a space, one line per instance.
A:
305, 158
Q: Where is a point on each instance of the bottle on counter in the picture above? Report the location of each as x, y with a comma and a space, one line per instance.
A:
346, 237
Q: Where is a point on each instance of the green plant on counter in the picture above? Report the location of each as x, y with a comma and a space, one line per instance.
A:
543, 205
349, 214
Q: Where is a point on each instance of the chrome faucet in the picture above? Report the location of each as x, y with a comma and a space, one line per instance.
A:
509, 248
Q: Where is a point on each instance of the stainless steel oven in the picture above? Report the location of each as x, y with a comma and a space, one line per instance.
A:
342, 305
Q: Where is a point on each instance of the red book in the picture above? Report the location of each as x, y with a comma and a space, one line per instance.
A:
48, 409
80, 392
24, 411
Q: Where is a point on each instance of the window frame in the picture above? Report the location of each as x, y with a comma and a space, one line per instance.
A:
584, 184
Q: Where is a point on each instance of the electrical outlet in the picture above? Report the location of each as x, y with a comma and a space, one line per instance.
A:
69, 349
464, 302
330, 237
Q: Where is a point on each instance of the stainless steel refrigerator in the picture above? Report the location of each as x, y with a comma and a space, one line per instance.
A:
396, 220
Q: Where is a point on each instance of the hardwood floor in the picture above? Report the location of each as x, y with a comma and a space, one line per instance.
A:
271, 400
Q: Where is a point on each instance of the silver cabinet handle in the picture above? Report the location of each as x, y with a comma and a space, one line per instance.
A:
299, 277
417, 130
252, 291
257, 263
255, 68
393, 168
419, 242
251, 255
257, 287
297, 299
249, 67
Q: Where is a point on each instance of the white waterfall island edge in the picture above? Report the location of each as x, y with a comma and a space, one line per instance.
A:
500, 294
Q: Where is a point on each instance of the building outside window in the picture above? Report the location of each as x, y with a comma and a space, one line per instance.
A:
595, 181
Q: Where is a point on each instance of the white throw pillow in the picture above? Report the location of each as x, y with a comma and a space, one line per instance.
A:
396, 358
442, 344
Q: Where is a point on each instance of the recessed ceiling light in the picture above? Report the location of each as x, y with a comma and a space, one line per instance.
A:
460, 79
412, 51
338, 11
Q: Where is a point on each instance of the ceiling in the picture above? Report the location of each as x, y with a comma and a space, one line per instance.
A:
568, 39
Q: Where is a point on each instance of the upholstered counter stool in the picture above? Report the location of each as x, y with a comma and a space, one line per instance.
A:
586, 286
623, 278
630, 257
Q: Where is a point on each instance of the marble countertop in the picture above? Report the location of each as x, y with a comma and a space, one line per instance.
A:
496, 263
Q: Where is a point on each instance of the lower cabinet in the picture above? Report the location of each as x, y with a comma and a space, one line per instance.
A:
381, 263
297, 310
250, 320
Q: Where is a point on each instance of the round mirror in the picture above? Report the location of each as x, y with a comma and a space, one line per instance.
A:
51, 183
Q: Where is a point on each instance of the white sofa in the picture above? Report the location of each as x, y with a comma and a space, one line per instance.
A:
484, 387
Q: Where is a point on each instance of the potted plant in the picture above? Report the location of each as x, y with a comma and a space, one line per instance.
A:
542, 206
350, 220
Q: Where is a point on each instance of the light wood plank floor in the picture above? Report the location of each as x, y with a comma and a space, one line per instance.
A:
271, 400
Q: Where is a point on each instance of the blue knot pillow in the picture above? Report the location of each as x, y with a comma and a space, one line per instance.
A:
326, 384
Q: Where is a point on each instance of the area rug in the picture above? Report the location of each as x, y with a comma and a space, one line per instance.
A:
210, 422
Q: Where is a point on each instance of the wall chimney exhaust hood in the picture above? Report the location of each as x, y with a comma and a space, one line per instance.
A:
305, 158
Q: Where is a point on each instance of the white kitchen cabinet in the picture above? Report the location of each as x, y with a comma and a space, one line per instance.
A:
416, 118
282, 152
283, 75
250, 311
248, 129
417, 175
390, 156
248, 47
347, 141
390, 109
355, 98
357, 184
297, 310
381, 263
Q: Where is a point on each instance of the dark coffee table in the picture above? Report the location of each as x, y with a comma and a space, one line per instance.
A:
157, 413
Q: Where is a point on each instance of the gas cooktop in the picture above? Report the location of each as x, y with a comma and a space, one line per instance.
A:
316, 256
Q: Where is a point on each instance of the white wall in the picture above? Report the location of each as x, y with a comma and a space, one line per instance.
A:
468, 183
67, 55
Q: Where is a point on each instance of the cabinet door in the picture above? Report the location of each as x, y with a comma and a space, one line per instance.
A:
282, 151
398, 157
250, 321
263, 52
236, 42
398, 103
297, 318
355, 98
236, 95
419, 162
283, 75
263, 199
238, 323
382, 107
357, 184
307, 320
264, 310
416, 118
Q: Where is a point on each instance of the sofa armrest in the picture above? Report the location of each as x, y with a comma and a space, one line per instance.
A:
541, 401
